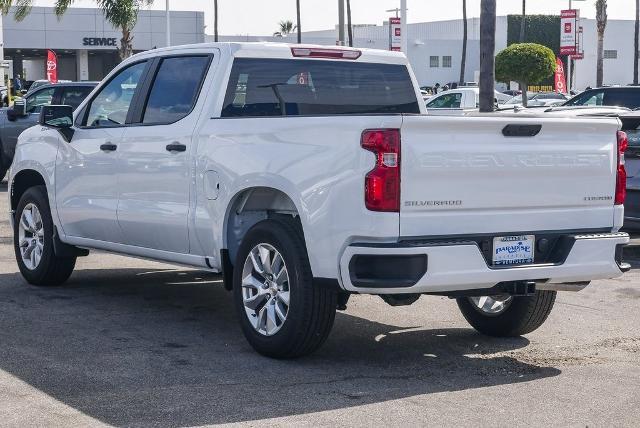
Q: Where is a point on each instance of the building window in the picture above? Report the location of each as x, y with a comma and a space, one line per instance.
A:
610, 54
434, 61
446, 61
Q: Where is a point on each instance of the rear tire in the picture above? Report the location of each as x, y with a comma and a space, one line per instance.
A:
518, 316
33, 241
280, 318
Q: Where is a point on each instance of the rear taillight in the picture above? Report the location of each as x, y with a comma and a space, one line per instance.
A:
621, 177
382, 183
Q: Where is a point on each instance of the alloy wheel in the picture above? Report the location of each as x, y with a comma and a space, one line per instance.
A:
31, 236
491, 305
265, 289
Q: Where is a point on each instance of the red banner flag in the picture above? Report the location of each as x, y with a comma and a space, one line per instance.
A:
560, 79
52, 66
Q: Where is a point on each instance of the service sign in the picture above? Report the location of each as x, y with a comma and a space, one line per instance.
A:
568, 32
395, 34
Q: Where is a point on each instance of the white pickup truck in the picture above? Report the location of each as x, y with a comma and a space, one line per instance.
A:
306, 174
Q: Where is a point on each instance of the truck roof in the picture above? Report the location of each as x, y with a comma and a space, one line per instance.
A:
280, 51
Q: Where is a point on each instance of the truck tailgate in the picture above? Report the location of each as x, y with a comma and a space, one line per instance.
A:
461, 175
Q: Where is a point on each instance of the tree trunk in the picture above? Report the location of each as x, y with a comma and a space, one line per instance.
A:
525, 98
463, 60
126, 44
600, 62
522, 22
487, 54
349, 27
601, 25
215, 21
636, 44
298, 21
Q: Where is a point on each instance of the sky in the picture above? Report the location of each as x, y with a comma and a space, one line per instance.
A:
261, 17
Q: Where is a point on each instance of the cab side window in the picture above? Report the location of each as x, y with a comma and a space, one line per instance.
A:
74, 95
175, 89
111, 105
41, 98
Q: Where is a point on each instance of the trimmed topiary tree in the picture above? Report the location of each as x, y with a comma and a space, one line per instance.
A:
525, 63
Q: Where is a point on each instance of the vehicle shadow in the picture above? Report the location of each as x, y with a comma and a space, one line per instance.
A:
136, 347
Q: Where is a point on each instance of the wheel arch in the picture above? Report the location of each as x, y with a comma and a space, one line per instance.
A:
21, 182
252, 205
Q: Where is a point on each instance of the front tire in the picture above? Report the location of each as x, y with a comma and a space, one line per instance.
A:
507, 316
282, 314
33, 241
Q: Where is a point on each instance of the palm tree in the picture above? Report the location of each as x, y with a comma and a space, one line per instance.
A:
349, 26
298, 27
487, 54
215, 20
522, 21
463, 61
286, 28
601, 22
636, 44
122, 14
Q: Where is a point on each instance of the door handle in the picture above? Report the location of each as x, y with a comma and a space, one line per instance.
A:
108, 147
176, 147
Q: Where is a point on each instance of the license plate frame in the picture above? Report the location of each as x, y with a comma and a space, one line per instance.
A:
513, 250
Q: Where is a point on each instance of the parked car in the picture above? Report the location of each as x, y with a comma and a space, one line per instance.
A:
4, 96
538, 99
40, 83
631, 125
25, 113
512, 92
458, 102
622, 96
280, 167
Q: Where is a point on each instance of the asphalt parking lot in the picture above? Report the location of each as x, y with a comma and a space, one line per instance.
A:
137, 343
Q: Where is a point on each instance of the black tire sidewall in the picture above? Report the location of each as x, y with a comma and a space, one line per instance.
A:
37, 196
523, 315
272, 232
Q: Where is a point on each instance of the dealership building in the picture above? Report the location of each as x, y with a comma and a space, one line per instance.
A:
85, 43
434, 48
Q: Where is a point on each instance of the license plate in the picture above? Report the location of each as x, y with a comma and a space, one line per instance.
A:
513, 250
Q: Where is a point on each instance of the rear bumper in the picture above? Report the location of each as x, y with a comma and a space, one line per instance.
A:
460, 265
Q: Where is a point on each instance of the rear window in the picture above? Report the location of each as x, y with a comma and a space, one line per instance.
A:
281, 87
629, 98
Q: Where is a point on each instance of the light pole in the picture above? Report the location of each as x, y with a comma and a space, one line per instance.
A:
403, 26
168, 25
341, 22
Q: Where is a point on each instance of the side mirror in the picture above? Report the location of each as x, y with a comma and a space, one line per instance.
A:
55, 116
58, 117
19, 109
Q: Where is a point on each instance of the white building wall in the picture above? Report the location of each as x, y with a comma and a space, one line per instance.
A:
619, 37
42, 29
